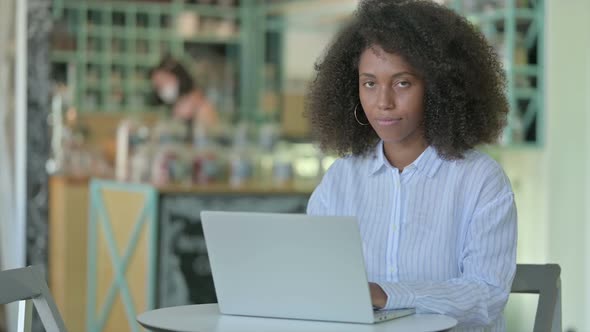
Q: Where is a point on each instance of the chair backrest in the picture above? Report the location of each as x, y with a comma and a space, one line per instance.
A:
25, 285
545, 281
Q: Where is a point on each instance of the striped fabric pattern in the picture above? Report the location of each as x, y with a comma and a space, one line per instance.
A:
440, 236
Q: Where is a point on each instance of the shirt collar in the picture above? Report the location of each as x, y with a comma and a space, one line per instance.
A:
428, 162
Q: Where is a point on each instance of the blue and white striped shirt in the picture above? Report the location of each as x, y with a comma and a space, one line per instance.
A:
440, 236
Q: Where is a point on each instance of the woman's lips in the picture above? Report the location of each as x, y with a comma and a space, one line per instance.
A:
388, 121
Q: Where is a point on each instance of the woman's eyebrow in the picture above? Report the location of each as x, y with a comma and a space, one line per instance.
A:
396, 75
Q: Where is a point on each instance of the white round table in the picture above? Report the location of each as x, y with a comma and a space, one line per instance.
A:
207, 318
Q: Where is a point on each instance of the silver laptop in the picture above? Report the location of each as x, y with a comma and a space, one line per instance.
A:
290, 266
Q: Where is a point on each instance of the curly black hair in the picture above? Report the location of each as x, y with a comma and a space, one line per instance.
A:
464, 100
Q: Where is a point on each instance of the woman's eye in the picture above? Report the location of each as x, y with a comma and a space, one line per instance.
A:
369, 84
403, 84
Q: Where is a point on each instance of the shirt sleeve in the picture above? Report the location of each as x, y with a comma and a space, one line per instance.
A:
318, 204
488, 264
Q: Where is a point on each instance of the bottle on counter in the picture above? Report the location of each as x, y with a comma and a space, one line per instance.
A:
307, 165
131, 134
207, 165
282, 168
179, 164
170, 163
125, 130
159, 171
141, 162
268, 137
241, 166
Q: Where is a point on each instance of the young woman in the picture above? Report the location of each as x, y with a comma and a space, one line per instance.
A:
174, 86
404, 94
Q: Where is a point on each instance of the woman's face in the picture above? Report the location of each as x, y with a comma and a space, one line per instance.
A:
391, 94
166, 86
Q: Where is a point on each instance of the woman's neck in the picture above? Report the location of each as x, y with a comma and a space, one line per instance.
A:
400, 155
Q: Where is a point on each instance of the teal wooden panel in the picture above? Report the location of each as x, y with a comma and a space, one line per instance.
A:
100, 222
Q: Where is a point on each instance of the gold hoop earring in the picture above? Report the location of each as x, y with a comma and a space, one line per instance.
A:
356, 117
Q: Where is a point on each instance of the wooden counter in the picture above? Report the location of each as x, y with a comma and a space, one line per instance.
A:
247, 189
68, 228
182, 275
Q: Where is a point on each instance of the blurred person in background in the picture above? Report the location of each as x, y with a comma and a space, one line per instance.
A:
174, 86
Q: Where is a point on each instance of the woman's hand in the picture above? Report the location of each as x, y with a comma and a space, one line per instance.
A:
378, 296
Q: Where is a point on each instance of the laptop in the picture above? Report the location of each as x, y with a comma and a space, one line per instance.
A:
290, 266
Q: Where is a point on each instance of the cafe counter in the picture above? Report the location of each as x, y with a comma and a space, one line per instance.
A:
118, 249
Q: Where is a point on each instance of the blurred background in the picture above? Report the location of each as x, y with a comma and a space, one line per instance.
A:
121, 120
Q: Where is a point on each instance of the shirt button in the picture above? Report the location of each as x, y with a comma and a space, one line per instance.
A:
392, 270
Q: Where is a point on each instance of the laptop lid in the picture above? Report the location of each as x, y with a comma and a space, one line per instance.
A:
288, 266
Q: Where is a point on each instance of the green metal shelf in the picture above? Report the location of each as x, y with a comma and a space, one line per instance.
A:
117, 42
529, 70
518, 27
147, 34
211, 39
101, 59
145, 7
213, 11
525, 93
523, 15
62, 56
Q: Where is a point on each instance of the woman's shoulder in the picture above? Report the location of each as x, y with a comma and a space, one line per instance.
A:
476, 158
481, 167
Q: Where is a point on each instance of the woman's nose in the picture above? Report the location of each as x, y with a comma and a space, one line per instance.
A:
386, 99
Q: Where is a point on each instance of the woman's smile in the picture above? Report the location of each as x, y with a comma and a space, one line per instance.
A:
388, 121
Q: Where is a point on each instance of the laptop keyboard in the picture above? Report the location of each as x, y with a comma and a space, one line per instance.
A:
380, 315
